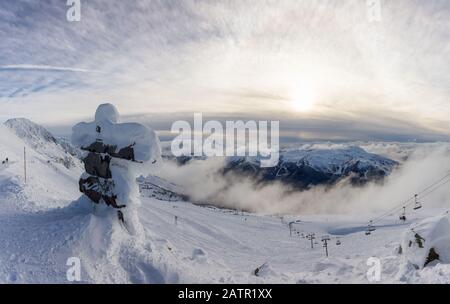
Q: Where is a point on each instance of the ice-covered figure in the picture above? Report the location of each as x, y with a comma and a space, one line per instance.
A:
115, 154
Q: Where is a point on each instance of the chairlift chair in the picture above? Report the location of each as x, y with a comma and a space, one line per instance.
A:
370, 228
403, 215
325, 238
338, 242
417, 204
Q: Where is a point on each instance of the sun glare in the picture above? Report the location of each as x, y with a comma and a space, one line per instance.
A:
303, 98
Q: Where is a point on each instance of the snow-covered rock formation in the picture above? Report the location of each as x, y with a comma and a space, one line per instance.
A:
115, 154
428, 242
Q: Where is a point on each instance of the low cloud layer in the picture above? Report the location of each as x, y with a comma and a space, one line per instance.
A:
423, 164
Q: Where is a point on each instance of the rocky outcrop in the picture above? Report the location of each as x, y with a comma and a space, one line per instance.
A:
428, 242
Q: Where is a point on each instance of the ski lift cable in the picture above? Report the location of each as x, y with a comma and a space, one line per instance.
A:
431, 191
409, 202
433, 187
428, 190
422, 194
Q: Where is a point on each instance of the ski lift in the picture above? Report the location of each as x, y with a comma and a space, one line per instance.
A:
325, 238
403, 215
370, 228
417, 204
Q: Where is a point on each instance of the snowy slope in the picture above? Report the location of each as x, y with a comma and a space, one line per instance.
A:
161, 189
49, 182
234, 245
43, 142
43, 223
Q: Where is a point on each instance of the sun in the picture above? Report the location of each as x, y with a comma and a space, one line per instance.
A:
303, 98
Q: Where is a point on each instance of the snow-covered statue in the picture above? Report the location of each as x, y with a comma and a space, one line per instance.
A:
115, 154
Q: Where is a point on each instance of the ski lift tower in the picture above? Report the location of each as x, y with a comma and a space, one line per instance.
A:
291, 228
325, 240
311, 237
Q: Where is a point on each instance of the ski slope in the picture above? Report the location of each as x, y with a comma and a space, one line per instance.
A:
235, 244
206, 245
44, 222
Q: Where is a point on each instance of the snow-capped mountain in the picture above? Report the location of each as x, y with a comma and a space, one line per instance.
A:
304, 167
43, 142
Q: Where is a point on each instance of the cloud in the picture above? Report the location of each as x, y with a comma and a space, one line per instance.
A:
424, 165
31, 67
228, 56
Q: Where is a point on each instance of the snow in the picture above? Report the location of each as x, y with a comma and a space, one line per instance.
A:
336, 161
145, 146
43, 142
107, 112
49, 181
431, 233
143, 139
44, 222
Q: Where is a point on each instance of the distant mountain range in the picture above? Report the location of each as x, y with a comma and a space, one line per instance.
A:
303, 168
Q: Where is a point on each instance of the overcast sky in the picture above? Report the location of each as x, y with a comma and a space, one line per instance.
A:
320, 66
